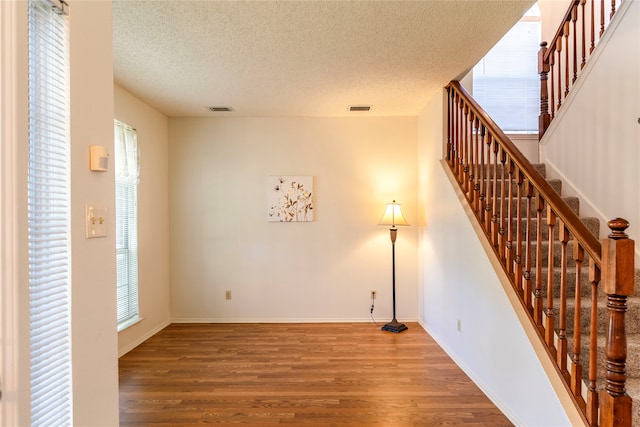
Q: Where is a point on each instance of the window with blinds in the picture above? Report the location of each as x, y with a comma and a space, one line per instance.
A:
127, 172
506, 82
48, 193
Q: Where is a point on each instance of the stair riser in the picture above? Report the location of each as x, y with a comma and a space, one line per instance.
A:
631, 327
585, 283
486, 186
557, 254
492, 169
571, 282
593, 224
633, 357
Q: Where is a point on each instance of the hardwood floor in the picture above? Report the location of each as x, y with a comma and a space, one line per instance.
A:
297, 374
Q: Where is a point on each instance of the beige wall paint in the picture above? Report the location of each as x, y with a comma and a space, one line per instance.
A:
318, 271
94, 338
153, 217
459, 285
15, 267
593, 144
95, 364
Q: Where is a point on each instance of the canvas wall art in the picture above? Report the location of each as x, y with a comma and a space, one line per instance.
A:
290, 198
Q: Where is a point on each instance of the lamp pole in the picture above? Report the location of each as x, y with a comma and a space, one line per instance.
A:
393, 215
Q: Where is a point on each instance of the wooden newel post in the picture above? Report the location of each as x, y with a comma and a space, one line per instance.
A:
543, 69
618, 282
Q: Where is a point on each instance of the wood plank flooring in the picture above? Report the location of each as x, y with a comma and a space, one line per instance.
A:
297, 374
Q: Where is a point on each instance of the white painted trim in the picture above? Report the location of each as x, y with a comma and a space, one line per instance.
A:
143, 338
8, 217
378, 321
500, 404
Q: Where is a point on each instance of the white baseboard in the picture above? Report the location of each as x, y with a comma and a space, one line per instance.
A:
143, 338
500, 404
379, 322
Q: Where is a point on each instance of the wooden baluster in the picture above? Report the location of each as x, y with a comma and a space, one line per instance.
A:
593, 27
537, 294
566, 58
476, 167
449, 125
456, 137
509, 247
618, 283
461, 137
552, 101
490, 177
543, 70
483, 175
574, 37
550, 321
527, 262
613, 9
601, 18
493, 229
562, 318
456, 170
471, 160
584, 34
503, 206
592, 386
464, 181
559, 52
576, 365
519, 216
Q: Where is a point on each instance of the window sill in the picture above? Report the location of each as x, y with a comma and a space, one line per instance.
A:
127, 324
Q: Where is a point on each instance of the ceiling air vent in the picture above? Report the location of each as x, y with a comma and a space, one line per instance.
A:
219, 109
360, 108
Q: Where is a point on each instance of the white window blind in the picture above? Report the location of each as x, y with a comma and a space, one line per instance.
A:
48, 193
506, 82
127, 171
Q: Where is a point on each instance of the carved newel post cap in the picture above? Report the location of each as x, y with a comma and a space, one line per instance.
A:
617, 227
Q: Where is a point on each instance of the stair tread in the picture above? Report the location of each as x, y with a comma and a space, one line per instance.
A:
529, 222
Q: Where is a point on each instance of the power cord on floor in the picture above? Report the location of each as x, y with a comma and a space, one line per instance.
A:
373, 301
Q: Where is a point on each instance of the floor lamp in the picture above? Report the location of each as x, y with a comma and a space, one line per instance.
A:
393, 217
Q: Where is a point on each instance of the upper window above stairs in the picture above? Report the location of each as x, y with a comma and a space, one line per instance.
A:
506, 82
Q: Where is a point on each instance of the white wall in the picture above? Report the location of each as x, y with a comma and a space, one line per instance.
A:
594, 142
95, 375
15, 268
318, 271
95, 363
459, 284
153, 217
94, 338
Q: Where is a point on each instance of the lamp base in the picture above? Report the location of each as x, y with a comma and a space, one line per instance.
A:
395, 326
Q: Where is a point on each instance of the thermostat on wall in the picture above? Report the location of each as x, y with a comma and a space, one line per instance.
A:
98, 158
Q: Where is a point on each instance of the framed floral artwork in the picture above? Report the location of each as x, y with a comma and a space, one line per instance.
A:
290, 198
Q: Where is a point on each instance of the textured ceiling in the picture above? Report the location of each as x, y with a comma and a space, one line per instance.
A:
300, 58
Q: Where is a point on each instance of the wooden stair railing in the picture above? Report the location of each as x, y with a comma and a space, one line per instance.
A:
520, 213
561, 60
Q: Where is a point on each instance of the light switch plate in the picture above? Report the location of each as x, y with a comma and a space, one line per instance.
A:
96, 220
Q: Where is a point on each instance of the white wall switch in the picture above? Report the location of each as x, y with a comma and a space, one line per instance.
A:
95, 220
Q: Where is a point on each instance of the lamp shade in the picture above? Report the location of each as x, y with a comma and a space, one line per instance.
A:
393, 215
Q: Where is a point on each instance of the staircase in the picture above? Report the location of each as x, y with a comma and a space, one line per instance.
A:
547, 252
581, 293
633, 307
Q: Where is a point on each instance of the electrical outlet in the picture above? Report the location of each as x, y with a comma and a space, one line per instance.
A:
373, 294
227, 294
